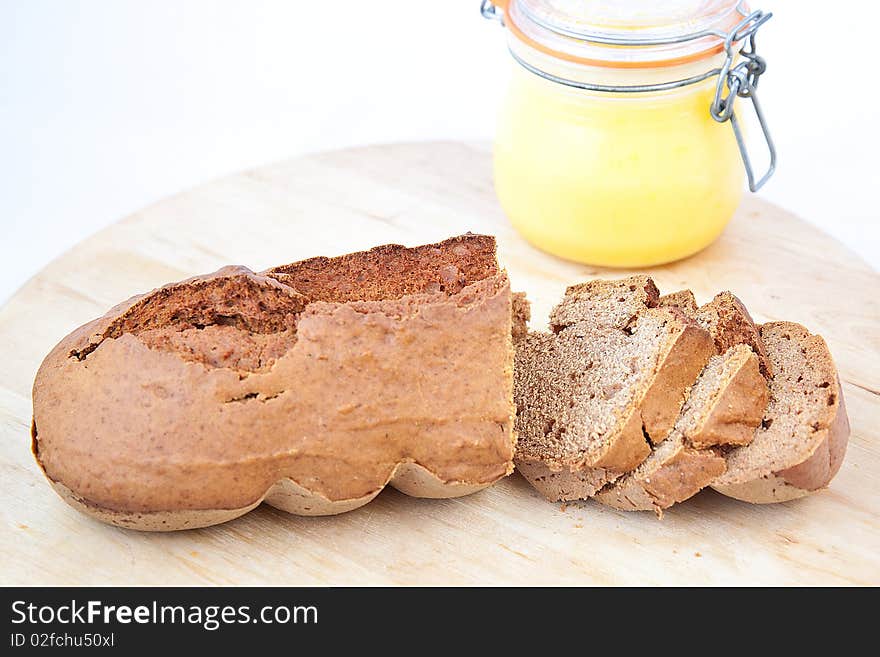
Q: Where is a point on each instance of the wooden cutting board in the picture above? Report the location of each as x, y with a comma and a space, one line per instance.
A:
349, 200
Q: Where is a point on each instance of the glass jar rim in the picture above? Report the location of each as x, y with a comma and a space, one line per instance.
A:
676, 35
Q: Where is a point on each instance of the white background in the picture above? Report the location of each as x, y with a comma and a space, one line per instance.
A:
109, 105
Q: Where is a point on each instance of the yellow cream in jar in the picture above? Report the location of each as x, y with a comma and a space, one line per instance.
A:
606, 150
619, 180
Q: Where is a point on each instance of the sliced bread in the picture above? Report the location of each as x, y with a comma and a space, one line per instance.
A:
802, 439
728, 401
724, 407
606, 383
730, 323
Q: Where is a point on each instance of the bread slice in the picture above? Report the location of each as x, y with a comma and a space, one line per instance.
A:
673, 473
310, 386
727, 320
724, 407
730, 323
609, 380
604, 304
728, 402
802, 439
684, 300
730, 397
521, 311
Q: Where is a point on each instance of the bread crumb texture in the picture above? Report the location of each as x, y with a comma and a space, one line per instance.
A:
604, 384
603, 381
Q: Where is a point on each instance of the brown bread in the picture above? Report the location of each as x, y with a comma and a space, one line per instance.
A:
310, 386
684, 300
606, 383
802, 439
724, 407
727, 319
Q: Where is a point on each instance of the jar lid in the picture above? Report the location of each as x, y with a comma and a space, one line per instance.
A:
624, 33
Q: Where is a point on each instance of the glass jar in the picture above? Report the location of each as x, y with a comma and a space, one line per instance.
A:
610, 148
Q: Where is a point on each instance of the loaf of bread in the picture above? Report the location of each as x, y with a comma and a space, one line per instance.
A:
313, 385
603, 385
309, 386
758, 413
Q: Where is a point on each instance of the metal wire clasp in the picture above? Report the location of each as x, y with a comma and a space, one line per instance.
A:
490, 11
741, 81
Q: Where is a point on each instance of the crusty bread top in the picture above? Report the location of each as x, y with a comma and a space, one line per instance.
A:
392, 271
231, 318
242, 320
203, 394
803, 405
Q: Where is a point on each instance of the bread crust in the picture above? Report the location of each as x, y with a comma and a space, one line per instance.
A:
684, 300
682, 475
680, 367
286, 495
564, 485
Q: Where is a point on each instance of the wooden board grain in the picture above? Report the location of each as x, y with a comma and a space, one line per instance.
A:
348, 200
